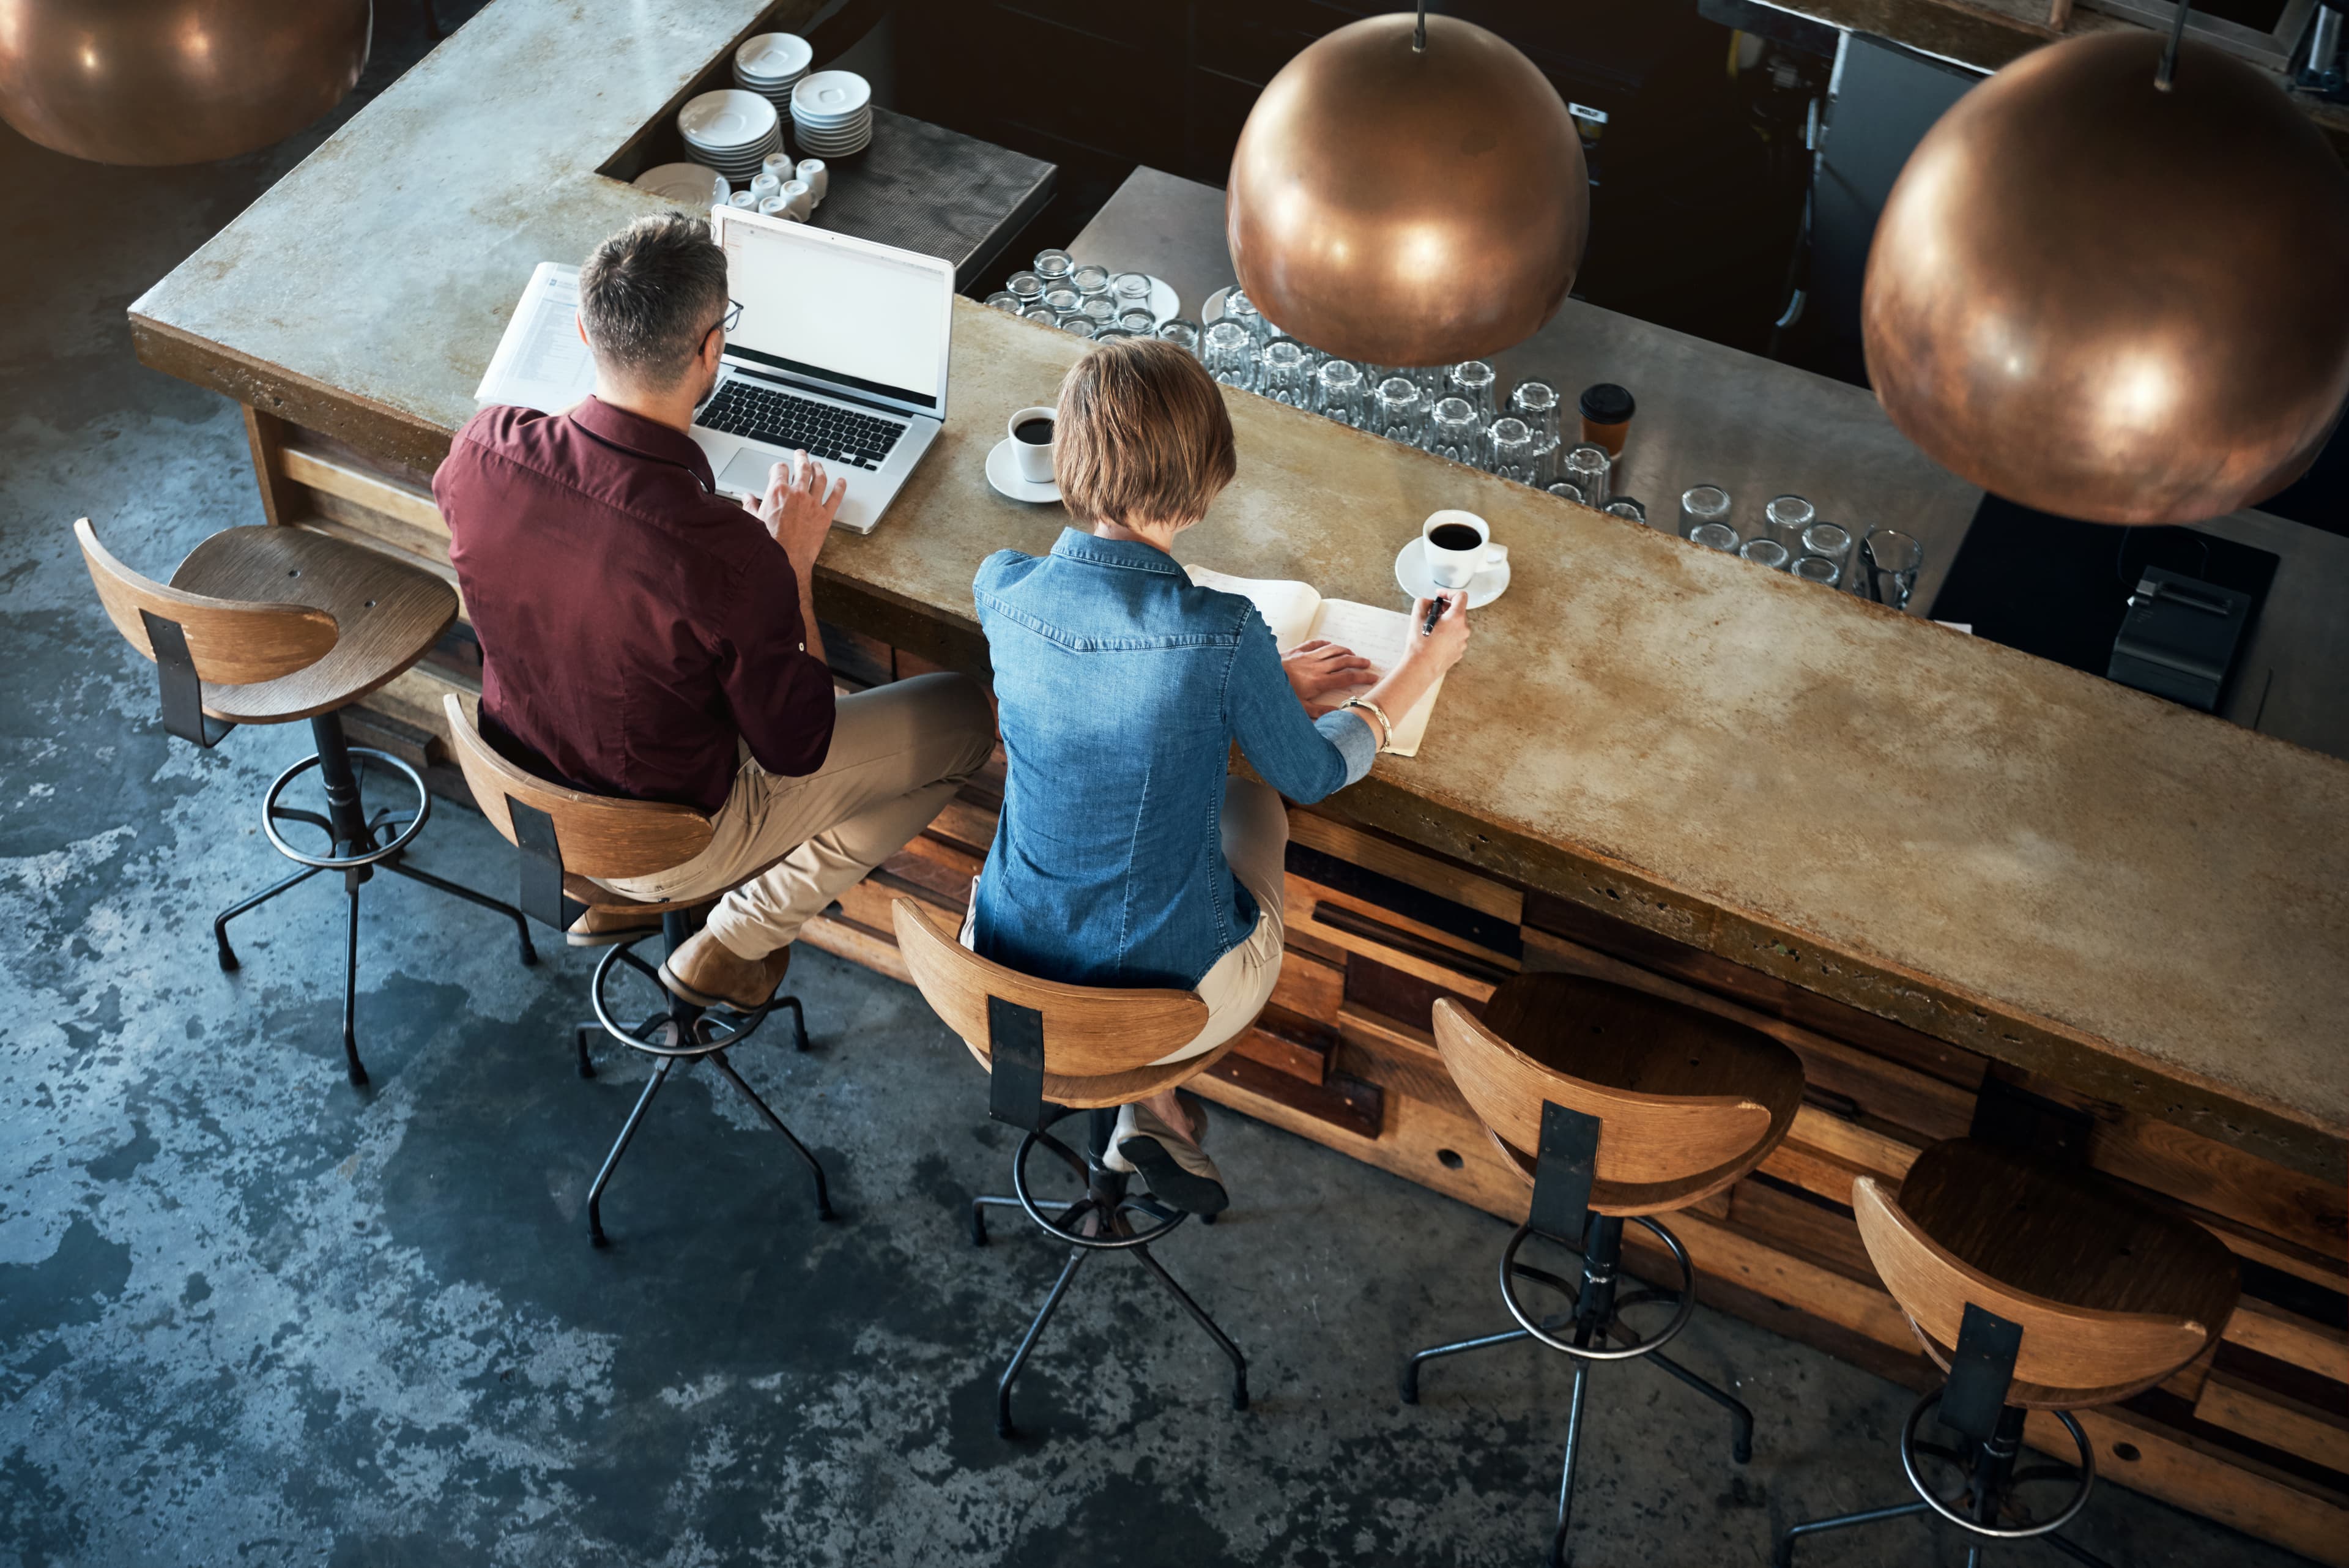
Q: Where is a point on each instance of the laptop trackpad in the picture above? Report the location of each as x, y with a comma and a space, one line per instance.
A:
746, 474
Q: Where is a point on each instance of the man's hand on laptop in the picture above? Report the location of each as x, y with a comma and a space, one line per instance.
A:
798, 509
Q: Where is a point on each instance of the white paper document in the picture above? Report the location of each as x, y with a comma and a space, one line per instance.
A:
540, 363
1296, 614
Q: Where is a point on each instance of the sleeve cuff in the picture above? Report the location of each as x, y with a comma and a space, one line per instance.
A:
1356, 739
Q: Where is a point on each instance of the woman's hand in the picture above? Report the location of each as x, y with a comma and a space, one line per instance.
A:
1442, 649
1321, 669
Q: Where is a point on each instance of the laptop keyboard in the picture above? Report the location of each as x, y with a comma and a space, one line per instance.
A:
777, 417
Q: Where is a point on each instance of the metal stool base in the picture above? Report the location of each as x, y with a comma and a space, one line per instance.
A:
357, 849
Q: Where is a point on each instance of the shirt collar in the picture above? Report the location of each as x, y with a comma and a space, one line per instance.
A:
643, 437
1076, 544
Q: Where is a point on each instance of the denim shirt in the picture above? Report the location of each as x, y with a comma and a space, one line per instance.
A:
1121, 687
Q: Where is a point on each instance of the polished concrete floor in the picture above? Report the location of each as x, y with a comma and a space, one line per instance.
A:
251, 1315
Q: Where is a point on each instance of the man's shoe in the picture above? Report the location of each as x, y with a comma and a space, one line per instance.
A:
602, 928
706, 972
1172, 1165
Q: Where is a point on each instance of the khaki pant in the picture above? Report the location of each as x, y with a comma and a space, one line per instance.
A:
1238, 984
898, 753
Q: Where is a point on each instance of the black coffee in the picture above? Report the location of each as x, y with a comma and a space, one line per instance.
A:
1454, 536
1035, 433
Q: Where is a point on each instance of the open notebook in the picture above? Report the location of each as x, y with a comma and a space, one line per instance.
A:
1298, 615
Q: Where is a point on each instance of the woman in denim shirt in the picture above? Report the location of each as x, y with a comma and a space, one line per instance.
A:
1126, 856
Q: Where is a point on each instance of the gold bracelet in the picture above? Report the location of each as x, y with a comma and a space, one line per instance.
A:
1385, 724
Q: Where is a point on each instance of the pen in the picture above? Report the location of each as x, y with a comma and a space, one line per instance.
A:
1435, 613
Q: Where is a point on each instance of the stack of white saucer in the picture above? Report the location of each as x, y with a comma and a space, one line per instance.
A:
730, 130
771, 64
687, 184
832, 114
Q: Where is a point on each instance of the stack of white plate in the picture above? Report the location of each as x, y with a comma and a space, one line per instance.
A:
832, 114
730, 130
771, 64
687, 184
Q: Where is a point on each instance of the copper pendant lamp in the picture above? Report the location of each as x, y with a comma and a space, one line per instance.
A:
1408, 192
2113, 283
175, 81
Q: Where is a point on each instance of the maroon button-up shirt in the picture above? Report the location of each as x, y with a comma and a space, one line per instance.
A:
634, 623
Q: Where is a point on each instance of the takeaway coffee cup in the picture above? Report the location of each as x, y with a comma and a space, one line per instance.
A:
1031, 432
1458, 545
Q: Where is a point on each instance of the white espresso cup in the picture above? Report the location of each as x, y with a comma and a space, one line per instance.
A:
778, 164
1035, 458
769, 184
818, 177
799, 199
1458, 546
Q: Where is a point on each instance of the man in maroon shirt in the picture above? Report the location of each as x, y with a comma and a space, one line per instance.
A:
643, 636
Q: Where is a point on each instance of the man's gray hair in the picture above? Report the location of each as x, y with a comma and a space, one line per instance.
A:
650, 293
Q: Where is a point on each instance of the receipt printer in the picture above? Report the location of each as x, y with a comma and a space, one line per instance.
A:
2179, 638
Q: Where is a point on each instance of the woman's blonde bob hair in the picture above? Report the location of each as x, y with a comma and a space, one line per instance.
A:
1143, 436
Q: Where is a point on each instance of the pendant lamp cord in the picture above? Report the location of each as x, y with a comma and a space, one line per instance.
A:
1418, 33
2162, 77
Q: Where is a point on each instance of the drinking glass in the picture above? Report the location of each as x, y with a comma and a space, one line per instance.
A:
1818, 569
1457, 430
1229, 354
1341, 392
1473, 381
1891, 559
1765, 552
1718, 536
1140, 322
1624, 506
1003, 299
1063, 300
1090, 280
1703, 503
1509, 448
1784, 519
1112, 334
1239, 308
1568, 490
1026, 288
1587, 468
1536, 403
1399, 411
1285, 373
1039, 311
1183, 332
1053, 266
1101, 309
1825, 541
1132, 290
1078, 326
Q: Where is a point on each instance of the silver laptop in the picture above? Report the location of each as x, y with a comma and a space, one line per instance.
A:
839, 350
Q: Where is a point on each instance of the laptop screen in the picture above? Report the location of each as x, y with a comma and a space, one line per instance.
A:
864, 317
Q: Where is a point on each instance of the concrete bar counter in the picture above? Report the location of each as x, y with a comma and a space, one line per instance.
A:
1952, 875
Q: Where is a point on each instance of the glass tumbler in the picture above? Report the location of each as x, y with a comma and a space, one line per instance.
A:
1399, 411
1183, 332
1079, 324
1473, 381
1039, 311
1536, 403
1587, 468
1053, 266
1567, 490
1829, 542
1101, 309
1456, 430
1113, 335
1140, 322
1786, 518
1063, 300
1890, 560
1340, 393
1131, 291
1818, 569
1090, 280
1765, 552
1003, 299
1703, 503
1285, 373
1239, 308
1624, 506
1229, 354
1026, 288
1509, 448
1718, 536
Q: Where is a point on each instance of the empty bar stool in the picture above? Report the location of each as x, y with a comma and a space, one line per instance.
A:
1617, 1105
567, 837
1052, 1050
266, 625
2036, 1285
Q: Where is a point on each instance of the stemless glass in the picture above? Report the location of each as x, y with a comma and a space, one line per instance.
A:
1111, 335
1703, 503
1567, 490
1132, 290
1341, 392
1240, 309
1457, 430
1039, 311
1077, 326
1473, 381
1026, 288
1101, 309
1536, 403
1183, 332
1140, 322
1063, 301
1399, 411
1003, 299
1588, 469
1285, 373
1229, 354
1784, 519
1891, 559
1053, 266
1509, 448
1764, 552
1718, 536
1090, 280
1829, 542
1624, 506
1818, 569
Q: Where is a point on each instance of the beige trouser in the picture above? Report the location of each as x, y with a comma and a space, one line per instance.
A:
898, 753
1238, 984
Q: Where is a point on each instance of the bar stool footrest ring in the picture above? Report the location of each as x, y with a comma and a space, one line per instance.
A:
2063, 1516
1535, 1325
685, 1030
1108, 1240
270, 812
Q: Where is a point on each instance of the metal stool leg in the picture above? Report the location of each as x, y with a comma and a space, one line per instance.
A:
351, 986
1741, 1444
1784, 1557
1410, 1381
1566, 1475
1003, 1427
1199, 1315
522, 926
823, 1201
228, 960
612, 1161
2077, 1553
579, 1038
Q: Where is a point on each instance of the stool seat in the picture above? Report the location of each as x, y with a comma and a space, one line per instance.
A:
2069, 1238
602, 900
387, 615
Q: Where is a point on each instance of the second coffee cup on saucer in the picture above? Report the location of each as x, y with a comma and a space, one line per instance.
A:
1457, 546
1032, 430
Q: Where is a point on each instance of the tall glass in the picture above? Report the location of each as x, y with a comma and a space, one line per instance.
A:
1536, 403
1457, 431
1890, 560
1786, 518
1229, 354
1285, 372
1473, 381
1399, 410
1703, 503
1183, 332
1341, 392
1239, 308
1587, 468
1509, 448
1718, 536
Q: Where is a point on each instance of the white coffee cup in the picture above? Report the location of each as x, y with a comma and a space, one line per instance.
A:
765, 185
1455, 562
818, 177
778, 164
799, 199
1035, 460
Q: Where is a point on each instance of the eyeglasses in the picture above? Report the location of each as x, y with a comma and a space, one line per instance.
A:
733, 316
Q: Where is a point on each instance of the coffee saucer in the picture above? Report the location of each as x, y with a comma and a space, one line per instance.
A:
1411, 571
1003, 472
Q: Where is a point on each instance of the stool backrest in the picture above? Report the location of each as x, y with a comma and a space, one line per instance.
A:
231, 642
1646, 1139
1090, 1031
597, 835
2064, 1346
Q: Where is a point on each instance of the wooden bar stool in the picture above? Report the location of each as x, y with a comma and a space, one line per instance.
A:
2036, 1285
567, 837
1615, 1105
1052, 1050
267, 624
